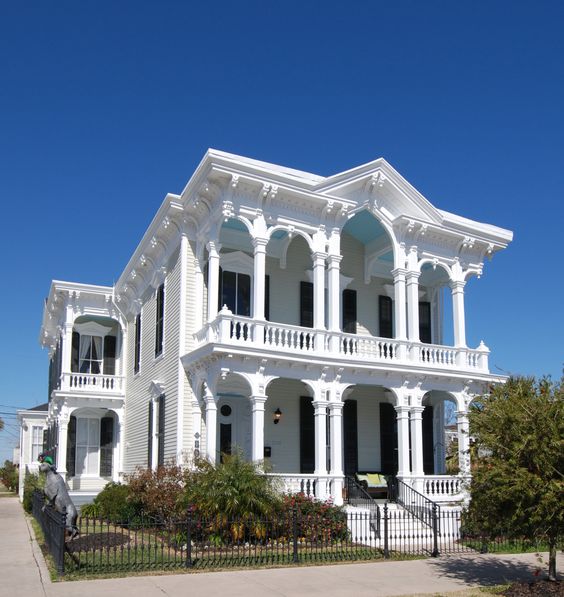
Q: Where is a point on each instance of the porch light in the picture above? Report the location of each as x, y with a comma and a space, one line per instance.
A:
277, 416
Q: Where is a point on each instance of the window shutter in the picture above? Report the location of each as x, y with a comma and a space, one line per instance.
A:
161, 430
350, 437
150, 436
137, 358
106, 446
349, 311
75, 351
388, 439
267, 297
428, 441
71, 447
425, 322
385, 316
109, 355
306, 304
159, 327
307, 436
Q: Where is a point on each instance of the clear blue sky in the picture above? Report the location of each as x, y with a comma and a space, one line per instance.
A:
106, 106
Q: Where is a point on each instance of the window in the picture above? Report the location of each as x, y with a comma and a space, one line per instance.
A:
93, 354
87, 446
385, 316
425, 322
349, 311
137, 357
159, 334
235, 292
36, 442
306, 304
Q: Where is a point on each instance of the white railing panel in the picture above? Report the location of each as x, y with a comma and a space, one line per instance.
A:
87, 382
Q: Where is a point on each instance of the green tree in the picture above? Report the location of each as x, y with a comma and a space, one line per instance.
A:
518, 481
1, 424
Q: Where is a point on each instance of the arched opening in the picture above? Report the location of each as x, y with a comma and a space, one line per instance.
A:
367, 290
439, 432
435, 305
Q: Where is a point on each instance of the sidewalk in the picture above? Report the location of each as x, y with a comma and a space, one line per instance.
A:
25, 574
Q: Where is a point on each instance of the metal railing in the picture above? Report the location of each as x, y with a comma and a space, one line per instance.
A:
53, 525
414, 502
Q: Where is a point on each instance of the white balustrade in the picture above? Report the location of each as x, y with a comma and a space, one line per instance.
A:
88, 382
309, 485
229, 328
441, 487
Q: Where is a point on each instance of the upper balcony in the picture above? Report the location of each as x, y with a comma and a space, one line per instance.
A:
244, 332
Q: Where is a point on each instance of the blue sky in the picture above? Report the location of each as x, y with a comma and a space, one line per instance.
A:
106, 106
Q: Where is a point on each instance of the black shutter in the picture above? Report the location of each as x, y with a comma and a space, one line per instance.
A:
349, 311
425, 322
71, 447
385, 316
150, 436
220, 302
307, 436
137, 357
106, 446
109, 355
306, 304
159, 324
388, 439
267, 298
350, 437
75, 351
428, 443
161, 430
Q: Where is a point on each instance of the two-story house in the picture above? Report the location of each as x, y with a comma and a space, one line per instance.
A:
298, 318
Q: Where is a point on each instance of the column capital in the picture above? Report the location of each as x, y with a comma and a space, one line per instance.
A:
334, 258
412, 275
399, 273
461, 415
402, 410
336, 407
259, 243
258, 401
457, 285
213, 248
320, 403
318, 256
416, 411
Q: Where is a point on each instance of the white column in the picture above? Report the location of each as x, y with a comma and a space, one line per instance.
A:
336, 429
334, 300
403, 440
198, 294
63, 431
417, 441
463, 442
400, 310
457, 288
117, 461
213, 279
320, 413
319, 298
413, 306
155, 438
211, 427
197, 428
259, 272
66, 346
257, 414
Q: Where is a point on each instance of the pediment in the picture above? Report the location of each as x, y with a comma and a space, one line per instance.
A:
379, 185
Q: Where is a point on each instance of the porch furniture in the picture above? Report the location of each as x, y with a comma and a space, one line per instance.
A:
375, 484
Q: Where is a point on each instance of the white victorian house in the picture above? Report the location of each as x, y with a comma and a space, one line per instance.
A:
297, 318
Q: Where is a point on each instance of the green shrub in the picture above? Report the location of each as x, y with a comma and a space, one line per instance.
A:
115, 503
234, 488
32, 482
9, 476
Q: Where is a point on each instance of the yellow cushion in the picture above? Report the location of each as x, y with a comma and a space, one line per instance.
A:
376, 480
362, 477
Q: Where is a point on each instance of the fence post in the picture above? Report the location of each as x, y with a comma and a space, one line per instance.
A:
61, 542
386, 546
295, 532
189, 539
435, 514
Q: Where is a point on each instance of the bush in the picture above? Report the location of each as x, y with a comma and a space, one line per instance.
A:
9, 476
32, 482
158, 493
115, 503
234, 488
317, 521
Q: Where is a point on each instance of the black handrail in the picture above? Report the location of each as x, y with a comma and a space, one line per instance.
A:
356, 495
419, 505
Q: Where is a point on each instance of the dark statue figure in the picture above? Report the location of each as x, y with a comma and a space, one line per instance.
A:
56, 492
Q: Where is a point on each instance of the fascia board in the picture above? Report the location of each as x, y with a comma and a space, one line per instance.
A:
489, 232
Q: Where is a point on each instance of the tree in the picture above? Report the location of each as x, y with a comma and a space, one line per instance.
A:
1, 424
518, 481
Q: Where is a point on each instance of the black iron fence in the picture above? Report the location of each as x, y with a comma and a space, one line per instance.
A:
52, 524
292, 537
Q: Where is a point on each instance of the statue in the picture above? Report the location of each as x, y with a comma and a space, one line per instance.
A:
57, 495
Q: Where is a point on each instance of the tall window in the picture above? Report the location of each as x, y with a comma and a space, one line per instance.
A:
349, 311
235, 292
425, 322
87, 446
385, 316
36, 442
93, 354
137, 357
159, 334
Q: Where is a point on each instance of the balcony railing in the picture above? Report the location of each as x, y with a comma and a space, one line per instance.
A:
440, 488
88, 382
237, 330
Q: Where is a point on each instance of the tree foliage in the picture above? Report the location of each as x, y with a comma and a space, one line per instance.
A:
518, 481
